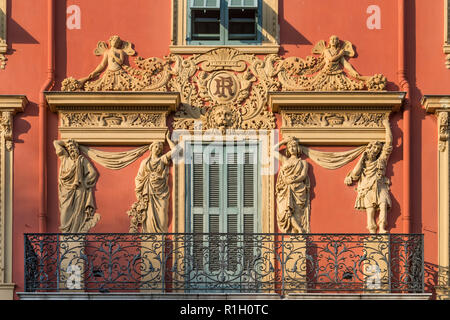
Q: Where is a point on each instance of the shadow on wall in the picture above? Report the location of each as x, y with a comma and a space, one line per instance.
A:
431, 277
16, 33
290, 34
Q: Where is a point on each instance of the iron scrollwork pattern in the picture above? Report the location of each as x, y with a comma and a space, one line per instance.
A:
214, 263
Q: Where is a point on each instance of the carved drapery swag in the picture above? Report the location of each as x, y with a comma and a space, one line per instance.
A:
225, 77
332, 160
293, 186
114, 160
78, 177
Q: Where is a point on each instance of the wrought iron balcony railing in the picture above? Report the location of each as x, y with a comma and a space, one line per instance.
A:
214, 263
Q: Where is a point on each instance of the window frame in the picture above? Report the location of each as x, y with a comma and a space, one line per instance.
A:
224, 8
269, 32
223, 210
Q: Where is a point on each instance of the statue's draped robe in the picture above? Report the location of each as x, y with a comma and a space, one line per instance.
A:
114, 78
152, 182
76, 180
373, 185
293, 199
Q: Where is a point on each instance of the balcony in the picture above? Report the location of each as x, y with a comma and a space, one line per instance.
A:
278, 265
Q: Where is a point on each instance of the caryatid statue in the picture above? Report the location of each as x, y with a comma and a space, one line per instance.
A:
152, 191
373, 185
293, 190
76, 180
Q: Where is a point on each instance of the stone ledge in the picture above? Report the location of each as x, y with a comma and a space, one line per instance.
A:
230, 296
7, 291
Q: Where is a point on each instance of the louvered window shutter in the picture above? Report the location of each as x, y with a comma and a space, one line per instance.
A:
243, 3
224, 195
204, 3
250, 189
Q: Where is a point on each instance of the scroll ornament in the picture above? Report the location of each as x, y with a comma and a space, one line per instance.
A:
328, 71
225, 76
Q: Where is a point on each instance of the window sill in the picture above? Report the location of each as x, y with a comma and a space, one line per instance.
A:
252, 49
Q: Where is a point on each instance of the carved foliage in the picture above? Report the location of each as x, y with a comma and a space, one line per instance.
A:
334, 119
112, 119
6, 129
225, 76
443, 130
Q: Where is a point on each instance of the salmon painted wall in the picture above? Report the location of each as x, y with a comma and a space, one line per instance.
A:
302, 24
147, 24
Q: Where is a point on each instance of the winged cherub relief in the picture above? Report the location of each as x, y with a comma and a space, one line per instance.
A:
115, 76
330, 71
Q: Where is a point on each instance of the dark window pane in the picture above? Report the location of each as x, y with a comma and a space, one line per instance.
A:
242, 24
205, 24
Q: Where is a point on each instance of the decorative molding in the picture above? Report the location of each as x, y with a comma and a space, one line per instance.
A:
270, 31
227, 76
9, 106
3, 33
328, 70
356, 100
336, 118
447, 55
443, 130
196, 49
439, 105
112, 117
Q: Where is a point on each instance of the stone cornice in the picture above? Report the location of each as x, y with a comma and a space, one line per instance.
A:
13, 103
435, 102
306, 100
58, 100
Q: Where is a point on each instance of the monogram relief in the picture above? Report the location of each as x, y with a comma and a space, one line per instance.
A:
223, 87
227, 76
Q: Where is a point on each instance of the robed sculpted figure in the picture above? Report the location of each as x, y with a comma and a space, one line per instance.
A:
373, 185
152, 191
76, 180
292, 190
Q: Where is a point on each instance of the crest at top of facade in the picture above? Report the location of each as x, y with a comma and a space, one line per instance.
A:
237, 82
